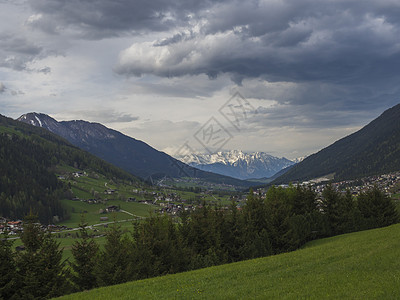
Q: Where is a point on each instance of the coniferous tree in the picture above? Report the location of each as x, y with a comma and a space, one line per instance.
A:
257, 234
280, 212
333, 209
85, 253
377, 209
41, 270
113, 262
351, 216
204, 238
7, 268
158, 248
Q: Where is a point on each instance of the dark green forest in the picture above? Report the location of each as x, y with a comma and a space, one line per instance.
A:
284, 221
29, 157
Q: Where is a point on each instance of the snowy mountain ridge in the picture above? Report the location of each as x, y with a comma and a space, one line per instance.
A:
238, 164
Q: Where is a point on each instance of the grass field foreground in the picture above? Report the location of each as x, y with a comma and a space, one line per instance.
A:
362, 265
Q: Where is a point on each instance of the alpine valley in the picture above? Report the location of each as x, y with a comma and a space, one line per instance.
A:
131, 155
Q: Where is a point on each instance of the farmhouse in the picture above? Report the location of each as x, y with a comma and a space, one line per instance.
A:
109, 191
112, 208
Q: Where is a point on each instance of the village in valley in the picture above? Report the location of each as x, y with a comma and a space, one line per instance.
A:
165, 200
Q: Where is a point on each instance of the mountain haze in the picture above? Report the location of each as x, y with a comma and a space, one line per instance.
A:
374, 149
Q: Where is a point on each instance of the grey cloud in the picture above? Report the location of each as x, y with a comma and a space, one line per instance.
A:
107, 18
124, 118
308, 40
345, 53
105, 116
17, 52
307, 116
4, 89
163, 134
17, 93
45, 70
10, 43
335, 41
172, 40
185, 87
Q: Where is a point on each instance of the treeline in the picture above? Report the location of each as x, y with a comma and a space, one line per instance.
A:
29, 157
159, 245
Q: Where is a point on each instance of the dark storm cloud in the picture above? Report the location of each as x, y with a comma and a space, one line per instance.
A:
341, 52
105, 18
345, 42
296, 41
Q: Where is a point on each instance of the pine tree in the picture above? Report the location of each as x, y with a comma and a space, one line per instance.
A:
85, 253
377, 209
257, 234
333, 209
7, 268
40, 268
113, 262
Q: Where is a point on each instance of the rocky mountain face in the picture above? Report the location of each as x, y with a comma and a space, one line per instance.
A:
238, 164
78, 131
129, 154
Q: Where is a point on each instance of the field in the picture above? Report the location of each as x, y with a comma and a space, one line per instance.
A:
92, 186
362, 265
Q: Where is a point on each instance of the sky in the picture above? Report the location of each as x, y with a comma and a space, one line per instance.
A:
284, 77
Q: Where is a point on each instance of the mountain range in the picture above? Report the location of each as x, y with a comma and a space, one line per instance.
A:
238, 164
374, 149
131, 155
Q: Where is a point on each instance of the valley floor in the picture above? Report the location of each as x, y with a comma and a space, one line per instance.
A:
362, 265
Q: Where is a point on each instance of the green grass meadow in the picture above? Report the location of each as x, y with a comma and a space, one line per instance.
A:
362, 265
92, 215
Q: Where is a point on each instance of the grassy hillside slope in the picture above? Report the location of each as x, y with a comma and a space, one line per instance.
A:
362, 265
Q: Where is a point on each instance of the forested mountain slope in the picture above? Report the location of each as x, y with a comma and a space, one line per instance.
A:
29, 157
374, 149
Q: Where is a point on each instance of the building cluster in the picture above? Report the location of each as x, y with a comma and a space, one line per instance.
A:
10, 227
174, 208
16, 227
389, 183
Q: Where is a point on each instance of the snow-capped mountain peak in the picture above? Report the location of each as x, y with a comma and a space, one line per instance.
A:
299, 159
238, 164
39, 120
